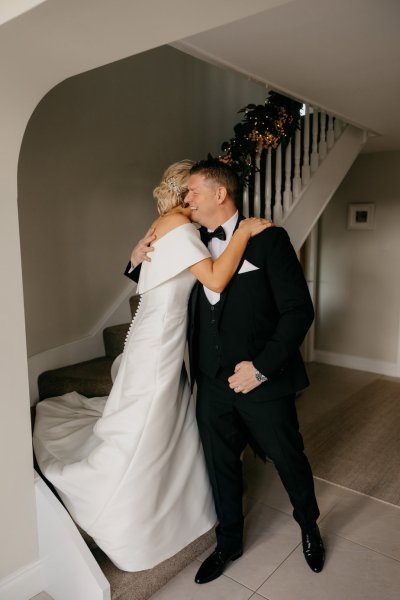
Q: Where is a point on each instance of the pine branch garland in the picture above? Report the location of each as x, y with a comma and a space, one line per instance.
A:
262, 127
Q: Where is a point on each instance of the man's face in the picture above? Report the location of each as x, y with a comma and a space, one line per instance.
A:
202, 198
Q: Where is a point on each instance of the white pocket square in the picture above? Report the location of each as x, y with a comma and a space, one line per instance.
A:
246, 267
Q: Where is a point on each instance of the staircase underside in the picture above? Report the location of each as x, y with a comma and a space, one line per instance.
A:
304, 214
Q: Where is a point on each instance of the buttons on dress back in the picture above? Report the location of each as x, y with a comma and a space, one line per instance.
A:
131, 325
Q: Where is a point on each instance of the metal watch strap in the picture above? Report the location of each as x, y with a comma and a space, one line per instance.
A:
260, 377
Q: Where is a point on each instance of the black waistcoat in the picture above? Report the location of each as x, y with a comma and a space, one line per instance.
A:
208, 341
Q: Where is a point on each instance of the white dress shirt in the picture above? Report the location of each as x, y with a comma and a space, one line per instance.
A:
216, 248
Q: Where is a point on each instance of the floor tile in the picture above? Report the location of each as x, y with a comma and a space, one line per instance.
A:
270, 536
263, 483
351, 572
183, 587
329, 387
366, 521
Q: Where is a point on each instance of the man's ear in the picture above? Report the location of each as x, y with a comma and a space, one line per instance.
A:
221, 194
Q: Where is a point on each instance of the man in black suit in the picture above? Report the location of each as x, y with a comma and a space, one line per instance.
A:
244, 356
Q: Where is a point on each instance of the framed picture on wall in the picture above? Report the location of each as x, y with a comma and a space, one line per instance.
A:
361, 216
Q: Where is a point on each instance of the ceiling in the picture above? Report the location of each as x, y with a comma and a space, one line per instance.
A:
340, 55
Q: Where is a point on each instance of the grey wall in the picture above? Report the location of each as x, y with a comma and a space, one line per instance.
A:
93, 150
359, 271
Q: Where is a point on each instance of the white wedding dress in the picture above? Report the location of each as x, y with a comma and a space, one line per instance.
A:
130, 467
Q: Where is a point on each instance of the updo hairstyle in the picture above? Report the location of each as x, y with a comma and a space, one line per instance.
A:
172, 189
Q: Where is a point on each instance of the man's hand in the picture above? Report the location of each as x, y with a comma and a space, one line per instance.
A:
244, 378
140, 251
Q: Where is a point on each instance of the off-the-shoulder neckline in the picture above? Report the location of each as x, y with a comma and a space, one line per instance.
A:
171, 231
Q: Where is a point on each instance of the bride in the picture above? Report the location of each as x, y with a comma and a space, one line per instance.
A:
130, 468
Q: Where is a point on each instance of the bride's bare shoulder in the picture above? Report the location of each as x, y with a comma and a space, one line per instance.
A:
165, 224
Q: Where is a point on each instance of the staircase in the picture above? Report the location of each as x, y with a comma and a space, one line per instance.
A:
294, 182
90, 378
304, 213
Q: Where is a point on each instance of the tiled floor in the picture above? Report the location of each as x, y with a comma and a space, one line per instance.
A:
362, 539
362, 535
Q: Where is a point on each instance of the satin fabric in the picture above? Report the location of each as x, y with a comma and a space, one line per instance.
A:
130, 468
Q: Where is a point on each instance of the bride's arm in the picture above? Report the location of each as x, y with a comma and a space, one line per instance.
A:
216, 275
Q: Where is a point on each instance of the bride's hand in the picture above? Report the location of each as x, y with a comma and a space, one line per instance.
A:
140, 251
255, 225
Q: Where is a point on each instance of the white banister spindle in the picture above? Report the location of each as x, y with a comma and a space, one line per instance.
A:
278, 212
330, 135
296, 177
314, 153
257, 183
305, 170
246, 201
322, 137
337, 127
293, 166
268, 184
287, 194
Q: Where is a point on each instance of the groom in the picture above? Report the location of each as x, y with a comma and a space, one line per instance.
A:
244, 356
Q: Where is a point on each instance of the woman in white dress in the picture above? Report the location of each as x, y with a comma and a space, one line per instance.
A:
130, 468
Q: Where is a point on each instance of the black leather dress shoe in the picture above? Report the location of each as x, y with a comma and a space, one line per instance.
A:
313, 548
215, 564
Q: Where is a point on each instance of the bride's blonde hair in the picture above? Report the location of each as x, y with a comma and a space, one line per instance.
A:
172, 189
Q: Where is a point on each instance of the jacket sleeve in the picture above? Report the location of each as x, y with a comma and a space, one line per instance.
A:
132, 274
289, 288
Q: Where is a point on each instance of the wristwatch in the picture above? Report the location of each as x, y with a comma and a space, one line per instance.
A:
260, 377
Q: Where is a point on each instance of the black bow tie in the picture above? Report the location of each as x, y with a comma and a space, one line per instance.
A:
218, 233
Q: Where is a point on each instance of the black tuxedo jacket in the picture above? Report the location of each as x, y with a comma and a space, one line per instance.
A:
264, 315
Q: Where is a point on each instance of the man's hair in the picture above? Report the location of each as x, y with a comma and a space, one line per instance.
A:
221, 173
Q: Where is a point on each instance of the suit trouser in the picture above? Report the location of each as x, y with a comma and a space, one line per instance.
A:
227, 422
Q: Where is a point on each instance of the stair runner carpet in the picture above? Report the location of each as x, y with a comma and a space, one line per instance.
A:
143, 584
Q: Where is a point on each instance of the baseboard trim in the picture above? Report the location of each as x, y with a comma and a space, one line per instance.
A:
80, 350
24, 583
359, 363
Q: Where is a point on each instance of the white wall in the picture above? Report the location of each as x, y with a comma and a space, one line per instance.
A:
359, 275
94, 149
17, 511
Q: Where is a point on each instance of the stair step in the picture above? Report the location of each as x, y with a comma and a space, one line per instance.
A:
141, 585
89, 378
114, 339
133, 303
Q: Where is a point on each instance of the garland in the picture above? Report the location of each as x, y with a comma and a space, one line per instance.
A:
262, 126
